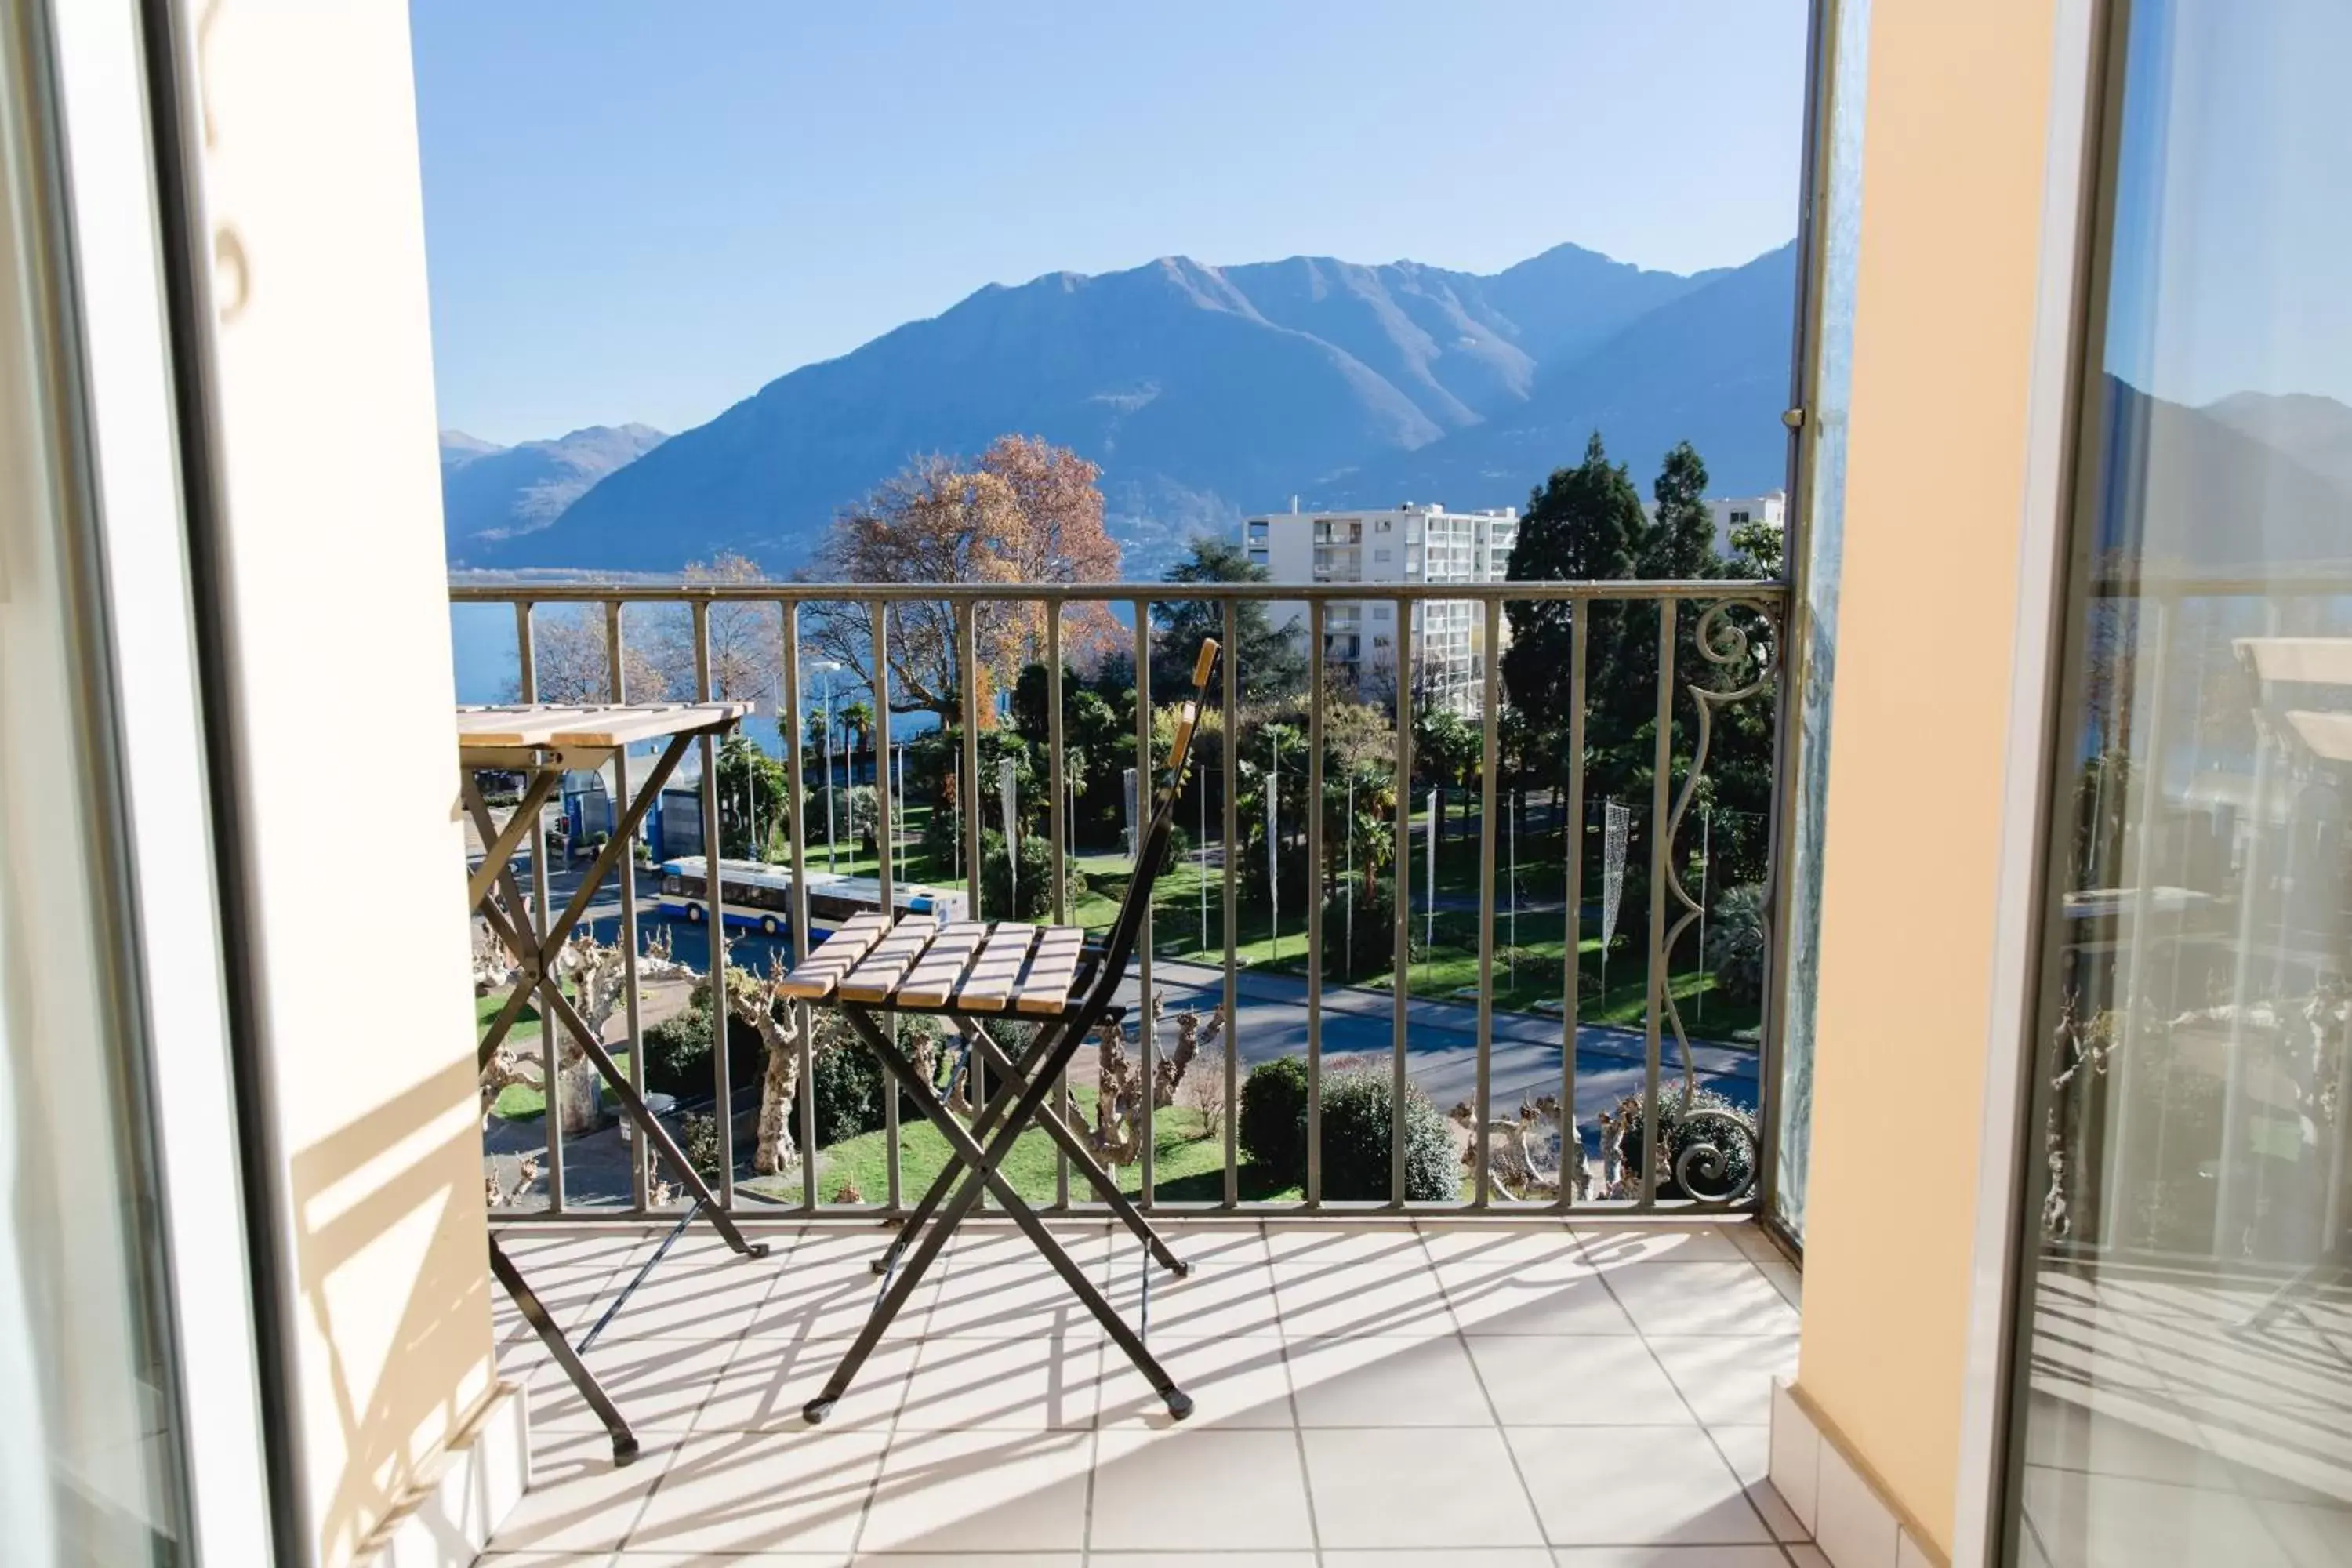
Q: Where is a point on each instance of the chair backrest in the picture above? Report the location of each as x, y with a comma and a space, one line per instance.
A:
1152, 848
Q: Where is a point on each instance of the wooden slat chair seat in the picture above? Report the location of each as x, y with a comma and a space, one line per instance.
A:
919, 966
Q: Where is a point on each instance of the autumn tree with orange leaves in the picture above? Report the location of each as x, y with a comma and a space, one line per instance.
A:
1026, 511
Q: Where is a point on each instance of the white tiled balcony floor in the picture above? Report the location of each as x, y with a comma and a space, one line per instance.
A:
1586, 1396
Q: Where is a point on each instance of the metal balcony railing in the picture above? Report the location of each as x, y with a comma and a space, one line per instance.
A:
1702, 650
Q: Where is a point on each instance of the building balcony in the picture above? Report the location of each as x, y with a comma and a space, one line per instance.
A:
1450, 1369
1487, 1391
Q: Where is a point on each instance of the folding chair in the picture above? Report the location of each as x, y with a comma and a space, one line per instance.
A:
969, 972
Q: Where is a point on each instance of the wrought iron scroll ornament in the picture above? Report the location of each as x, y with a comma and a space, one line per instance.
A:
1704, 1168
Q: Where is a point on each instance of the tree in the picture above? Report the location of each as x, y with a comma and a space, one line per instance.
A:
1273, 660
747, 637
1679, 544
1584, 525
754, 792
1759, 551
1449, 751
1587, 523
571, 659
857, 725
1027, 511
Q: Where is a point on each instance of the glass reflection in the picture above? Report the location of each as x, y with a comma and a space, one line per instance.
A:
2186, 1390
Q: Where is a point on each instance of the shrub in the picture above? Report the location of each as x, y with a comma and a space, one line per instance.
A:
1735, 943
848, 1082
1358, 1109
848, 1085
1711, 1121
1037, 887
1272, 1119
1374, 929
700, 1141
678, 1052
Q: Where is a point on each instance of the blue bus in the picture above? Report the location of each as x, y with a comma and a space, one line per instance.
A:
759, 896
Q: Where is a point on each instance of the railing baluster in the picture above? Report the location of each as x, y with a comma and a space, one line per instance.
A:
1400, 982
1057, 826
616, 675
714, 886
1571, 1140
1490, 765
796, 802
1148, 1030
1314, 905
878, 688
1229, 761
1662, 765
967, 620
550, 1057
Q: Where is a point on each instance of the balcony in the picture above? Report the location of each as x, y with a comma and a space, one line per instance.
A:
1375, 1362
1362, 1388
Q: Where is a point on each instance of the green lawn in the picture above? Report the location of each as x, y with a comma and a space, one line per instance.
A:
1188, 1168
519, 1101
1525, 972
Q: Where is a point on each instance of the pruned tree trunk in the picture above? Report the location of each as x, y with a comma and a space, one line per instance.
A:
752, 999
1122, 1120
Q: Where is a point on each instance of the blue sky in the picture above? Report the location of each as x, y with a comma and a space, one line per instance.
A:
647, 212
2231, 229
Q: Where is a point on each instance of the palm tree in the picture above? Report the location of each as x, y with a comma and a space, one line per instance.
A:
857, 726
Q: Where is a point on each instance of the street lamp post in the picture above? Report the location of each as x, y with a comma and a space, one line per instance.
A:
831, 862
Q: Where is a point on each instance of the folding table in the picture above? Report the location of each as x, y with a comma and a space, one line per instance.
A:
542, 743
969, 972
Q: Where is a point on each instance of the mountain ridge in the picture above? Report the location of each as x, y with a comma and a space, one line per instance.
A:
491, 493
1204, 392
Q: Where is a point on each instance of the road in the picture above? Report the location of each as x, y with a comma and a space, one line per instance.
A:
1440, 1036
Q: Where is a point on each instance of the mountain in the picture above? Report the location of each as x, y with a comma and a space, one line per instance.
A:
1710, 366
2315, 431
491, 493
2256, 482
1204, 392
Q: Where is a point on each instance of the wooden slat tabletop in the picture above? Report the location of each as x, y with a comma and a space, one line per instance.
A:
833, 958
2315, 661
878, 973
603, 724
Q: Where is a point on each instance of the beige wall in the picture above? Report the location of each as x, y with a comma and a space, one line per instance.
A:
343, 682
1953, 157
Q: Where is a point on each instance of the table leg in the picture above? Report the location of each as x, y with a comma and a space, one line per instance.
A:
534, 1311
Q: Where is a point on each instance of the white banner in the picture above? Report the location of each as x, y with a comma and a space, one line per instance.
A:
1008, 794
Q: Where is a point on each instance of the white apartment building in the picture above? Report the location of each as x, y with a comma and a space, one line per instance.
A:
1731, 512
1409, 544
1738, 512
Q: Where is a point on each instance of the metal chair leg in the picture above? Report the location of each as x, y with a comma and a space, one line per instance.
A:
1049, 1118
984, 1122
984, 1175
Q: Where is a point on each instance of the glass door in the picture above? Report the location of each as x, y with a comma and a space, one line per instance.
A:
92, 1440
2183, 1370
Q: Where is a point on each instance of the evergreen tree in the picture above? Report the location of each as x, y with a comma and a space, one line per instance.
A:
1273, 659
1679, 541
1585, 524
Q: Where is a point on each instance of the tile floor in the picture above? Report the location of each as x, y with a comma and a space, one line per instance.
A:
1587, 1396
